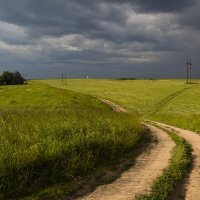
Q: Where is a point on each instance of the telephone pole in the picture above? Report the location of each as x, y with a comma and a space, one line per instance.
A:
187, 71
65, 78
190, 70
62, 78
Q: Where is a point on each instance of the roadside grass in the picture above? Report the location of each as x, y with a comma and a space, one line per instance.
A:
188, 122
179, 165
47, 144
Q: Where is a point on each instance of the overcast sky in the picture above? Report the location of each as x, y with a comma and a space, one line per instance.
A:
100, 38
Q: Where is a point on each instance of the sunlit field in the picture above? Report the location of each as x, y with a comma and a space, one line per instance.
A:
170, 101
52, 137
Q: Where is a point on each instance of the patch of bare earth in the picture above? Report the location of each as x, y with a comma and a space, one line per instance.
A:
191, 186
139, 178
113, 105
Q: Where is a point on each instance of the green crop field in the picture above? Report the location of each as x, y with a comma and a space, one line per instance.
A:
136, 95
169, 101
50, 136
54, 135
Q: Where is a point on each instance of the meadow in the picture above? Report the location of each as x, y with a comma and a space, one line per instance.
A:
170, 101
52, 138
54, 135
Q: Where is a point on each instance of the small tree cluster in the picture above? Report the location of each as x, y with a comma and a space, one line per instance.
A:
11, 78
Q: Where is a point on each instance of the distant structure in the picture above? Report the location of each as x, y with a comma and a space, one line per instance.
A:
87, 77
64, 78
189, 71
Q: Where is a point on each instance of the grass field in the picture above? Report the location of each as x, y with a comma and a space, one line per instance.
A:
53, 134
49, 137
169, 101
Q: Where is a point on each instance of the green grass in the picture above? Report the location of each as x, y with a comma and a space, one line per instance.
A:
182, 111
168, 101
179, 165
52, 137
39, 95
171, 102
138, 96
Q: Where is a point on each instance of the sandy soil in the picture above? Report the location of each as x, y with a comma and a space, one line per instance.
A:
113, 105
191, 187
139, 178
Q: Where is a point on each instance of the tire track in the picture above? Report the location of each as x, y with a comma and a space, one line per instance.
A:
191, 186
139, 178
165, 101
113, 105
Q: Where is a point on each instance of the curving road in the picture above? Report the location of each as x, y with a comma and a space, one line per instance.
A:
138, 179
192, 185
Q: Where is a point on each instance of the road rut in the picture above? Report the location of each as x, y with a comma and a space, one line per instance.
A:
138, 179
192, 185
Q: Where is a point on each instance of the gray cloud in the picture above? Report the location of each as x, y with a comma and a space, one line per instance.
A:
135, 36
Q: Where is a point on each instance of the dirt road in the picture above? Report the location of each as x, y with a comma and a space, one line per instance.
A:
139, 178
191, 188
113, 105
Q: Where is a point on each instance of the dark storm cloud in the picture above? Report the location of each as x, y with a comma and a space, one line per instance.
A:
59, 17
190, 18
163, 6
94, 35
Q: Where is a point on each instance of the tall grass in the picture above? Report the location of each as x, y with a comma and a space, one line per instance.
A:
43, 147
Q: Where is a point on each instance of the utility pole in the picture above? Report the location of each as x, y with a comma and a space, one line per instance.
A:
62, 78
190, 69
65, 78
187, 71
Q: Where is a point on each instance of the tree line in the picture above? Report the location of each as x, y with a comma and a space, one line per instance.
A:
11, 78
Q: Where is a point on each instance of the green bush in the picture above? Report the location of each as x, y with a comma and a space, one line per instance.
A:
11, 78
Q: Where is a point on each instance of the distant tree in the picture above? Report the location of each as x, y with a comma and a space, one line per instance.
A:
11, 78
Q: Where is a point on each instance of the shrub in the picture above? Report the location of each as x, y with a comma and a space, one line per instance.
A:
11, 78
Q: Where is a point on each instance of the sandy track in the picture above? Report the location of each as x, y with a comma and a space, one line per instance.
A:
191, 187
113, 105
139, 178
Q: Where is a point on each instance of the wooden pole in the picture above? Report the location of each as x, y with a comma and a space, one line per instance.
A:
190, 71
187, 71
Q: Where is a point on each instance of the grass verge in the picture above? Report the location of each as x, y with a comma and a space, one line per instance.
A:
184, 122
179, 165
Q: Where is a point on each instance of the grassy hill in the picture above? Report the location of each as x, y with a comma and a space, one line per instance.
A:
51, 139
54, 136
